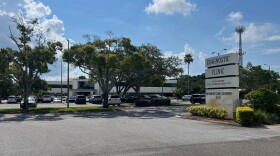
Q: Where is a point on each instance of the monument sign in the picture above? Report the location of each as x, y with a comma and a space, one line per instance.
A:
222, 82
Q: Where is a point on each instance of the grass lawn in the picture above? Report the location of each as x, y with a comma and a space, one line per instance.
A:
57, 110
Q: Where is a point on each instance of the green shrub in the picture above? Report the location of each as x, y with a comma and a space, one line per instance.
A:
278, 110
263, 99
212, 112
244, 115
263, 117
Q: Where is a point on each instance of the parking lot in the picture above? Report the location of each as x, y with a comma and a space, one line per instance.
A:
44, 105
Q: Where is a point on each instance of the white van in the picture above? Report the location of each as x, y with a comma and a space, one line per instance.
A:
114, 100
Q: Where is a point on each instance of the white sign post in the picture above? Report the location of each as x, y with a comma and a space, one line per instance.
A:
222, 82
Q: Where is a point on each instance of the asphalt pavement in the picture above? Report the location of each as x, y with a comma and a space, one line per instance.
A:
131, 131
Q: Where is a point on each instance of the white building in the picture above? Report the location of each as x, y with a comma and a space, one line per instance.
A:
83, 86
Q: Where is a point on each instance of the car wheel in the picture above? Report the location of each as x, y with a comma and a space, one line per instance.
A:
119, 104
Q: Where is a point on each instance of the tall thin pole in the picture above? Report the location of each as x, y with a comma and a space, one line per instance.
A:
188, 79
270, 78
68, 77
240, 30
61, 80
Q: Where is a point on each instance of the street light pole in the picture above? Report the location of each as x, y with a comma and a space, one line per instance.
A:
61, 80
68, 77
222, 51
219, 52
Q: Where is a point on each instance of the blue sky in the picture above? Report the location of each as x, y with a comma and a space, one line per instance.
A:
176, 27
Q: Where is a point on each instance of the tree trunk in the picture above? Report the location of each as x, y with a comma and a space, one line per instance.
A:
188, 79
25, 102
105, 102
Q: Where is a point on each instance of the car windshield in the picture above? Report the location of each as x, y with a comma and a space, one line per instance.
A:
31, 99
97, 96
197, 95
81, 96
115, 96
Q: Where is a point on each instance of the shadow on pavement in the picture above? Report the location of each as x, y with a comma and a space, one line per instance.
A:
131, 112
137, 112
29, 117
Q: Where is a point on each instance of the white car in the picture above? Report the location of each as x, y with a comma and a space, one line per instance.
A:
12, 99
47, 98
31, 102
186, 97
57, 99
114, 100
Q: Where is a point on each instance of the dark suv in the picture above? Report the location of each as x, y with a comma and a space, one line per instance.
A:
197, 98
96, 99
80, 99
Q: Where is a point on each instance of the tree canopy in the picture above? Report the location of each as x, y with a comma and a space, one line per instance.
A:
32, 56
117, 62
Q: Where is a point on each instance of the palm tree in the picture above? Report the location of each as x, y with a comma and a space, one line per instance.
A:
188, 59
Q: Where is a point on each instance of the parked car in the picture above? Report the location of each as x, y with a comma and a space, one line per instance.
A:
19, 98
128, 99
57, 100
186, 97
31, 102
96, 99
64, 98
145, 97
72, 98
46, 98
80, 99
155, 97
114, 100
12, 99
197, 98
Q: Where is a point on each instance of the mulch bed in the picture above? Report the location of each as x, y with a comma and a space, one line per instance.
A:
213, 120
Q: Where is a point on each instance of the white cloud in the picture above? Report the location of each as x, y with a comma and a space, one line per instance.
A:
198, 57
170, 7
36, 9
201, 56
188, 49
235, 17
255, 35
271, 51
273, 38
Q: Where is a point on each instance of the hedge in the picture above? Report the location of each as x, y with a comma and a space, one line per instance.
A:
263, 99
262, 117
244, 115
156, 102
212, 112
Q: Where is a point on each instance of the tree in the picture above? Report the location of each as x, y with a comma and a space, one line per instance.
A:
188, 59
151, 65
197, 84
39, 86
33, 54
99, 60
254, 77
5, 79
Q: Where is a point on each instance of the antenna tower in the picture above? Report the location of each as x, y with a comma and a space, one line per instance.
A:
240, 30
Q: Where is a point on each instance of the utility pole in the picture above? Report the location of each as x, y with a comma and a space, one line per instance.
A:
68, 77
240, 30
61, 80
